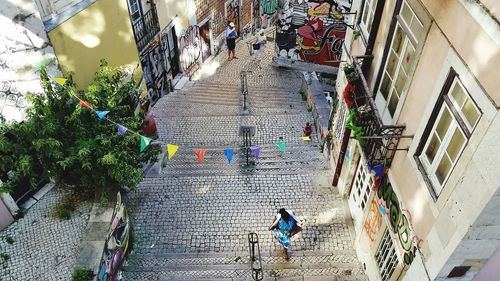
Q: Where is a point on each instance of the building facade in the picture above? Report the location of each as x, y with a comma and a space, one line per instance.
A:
414, 137
82, 32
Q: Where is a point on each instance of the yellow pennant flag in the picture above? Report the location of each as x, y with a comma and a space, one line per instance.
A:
60, 80
305, 138
171, 149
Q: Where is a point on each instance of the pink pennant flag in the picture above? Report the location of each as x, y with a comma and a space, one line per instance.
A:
200, 153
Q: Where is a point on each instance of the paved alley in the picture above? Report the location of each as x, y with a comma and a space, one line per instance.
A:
191, 222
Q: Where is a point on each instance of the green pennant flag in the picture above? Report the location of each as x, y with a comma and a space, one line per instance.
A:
281, 146
144, 142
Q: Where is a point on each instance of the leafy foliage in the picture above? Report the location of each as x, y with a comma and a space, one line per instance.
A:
69, 143
82, 274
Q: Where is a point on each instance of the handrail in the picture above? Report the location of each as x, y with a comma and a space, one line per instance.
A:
255, 259
244, 87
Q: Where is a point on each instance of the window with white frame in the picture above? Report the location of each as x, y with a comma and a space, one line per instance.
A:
386, 257
368, 14
452, 122
363, 183
401, 57
134, 10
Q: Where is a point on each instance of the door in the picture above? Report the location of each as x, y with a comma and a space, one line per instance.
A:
232, 9
360, 193
169, 42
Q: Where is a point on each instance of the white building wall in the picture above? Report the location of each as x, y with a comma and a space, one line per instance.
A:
24, 47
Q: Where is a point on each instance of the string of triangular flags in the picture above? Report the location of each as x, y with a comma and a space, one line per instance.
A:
171, 148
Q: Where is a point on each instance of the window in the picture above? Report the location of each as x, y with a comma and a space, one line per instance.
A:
368, 14
134, 10
386, 257
400, 59
452, 123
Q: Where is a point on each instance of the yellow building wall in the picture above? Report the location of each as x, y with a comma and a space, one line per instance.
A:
169, 10
101, 31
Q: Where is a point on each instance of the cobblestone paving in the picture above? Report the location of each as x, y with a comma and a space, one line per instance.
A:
44, 248
191, 222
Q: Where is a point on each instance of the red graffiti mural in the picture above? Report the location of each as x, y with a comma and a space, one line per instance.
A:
319, 44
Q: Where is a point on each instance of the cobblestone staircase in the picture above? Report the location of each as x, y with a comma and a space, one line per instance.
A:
191, 221
322, 266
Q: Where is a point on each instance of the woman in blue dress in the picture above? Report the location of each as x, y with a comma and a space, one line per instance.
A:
284, 227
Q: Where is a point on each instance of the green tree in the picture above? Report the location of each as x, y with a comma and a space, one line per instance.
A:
70, 143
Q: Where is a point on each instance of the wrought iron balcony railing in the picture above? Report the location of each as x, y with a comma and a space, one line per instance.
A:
379, 141
146, 28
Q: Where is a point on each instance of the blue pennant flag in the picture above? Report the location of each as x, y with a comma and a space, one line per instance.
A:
101, 114
229, 154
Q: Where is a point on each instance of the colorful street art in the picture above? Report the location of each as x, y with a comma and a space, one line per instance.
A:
312, 31
373, 221
118, 244
399, 222
232, 9
190, 48
155, 73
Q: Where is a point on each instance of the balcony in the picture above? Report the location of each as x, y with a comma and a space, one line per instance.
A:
146, 28
379, 141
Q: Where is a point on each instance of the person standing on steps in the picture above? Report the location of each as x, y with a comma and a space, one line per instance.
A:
285, 225
231, 36
260, 44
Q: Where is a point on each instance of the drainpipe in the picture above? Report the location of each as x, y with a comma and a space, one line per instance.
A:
377, 17
340, 159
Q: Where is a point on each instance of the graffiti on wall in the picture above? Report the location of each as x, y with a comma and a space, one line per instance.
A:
155, 72
10, 97
190, 48
232, 9
24, 48
117, 245
256, 20
399, 222
312, 31
373, 221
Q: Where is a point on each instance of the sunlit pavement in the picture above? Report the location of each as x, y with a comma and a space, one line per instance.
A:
191, 222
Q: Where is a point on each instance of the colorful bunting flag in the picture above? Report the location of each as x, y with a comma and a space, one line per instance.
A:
101, 114
200, 153
229, 154
255, 149
281, 145
121, 129
61, 81
305, 138
171, 150
85, 104
145, 142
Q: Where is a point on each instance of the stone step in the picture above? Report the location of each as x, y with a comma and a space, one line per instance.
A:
257, 96
339, 264
208, 85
